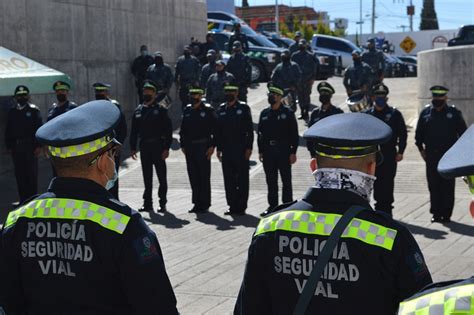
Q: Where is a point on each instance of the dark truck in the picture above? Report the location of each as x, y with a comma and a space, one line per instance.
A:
465, 36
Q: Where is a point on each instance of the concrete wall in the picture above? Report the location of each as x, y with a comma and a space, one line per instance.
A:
451, 67
96, 40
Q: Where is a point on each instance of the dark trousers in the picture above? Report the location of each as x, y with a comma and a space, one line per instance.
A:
276, 159
199, 172
304, 93
236, 180
441, 190
384, 185
294, 96
26, 173
184, 94
115, 189
150, 155
243, 93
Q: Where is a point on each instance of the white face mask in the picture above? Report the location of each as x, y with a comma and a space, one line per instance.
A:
111, 182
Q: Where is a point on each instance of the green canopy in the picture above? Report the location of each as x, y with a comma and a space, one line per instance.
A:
16, 69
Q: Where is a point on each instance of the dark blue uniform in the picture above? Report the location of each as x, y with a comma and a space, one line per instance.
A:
239, 66
357, 76
161, 74
187, 72
287, 75
215, 87
242, 38
57, 110
234, 136
139, 68
206, 71
197, 135
309, 67
277, 140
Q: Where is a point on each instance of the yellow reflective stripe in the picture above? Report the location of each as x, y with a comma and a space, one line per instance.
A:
335, 156
196, 91
275, 90
101, 88
70, 209
80, 149
317, 223
61, 87
346, 148
455, 300
326, 89
231, 88
439, 91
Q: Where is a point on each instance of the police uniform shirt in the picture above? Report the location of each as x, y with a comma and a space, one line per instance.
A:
286, 75
242, 38
357, 76
319, 113
162, 75
81, 252
198, 126
57, 110
369, 272
375, 59
188, 69
307, 63
215, 86
22, 124
151, 123
438, 131
234, 128
239, 66
277, 125
207, 70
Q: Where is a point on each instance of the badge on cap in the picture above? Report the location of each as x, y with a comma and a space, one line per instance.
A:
28, 114
239, 111
449, 115
203, 114
283, 116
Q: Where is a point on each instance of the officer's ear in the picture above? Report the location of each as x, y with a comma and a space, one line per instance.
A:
371, 168
313, 165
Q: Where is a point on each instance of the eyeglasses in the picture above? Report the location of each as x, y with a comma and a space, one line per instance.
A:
114, 149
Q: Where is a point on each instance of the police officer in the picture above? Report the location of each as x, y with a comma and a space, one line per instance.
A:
392, 151
376, 259
63, 105
375, 59
209, 68
357, 77
210, 44
326, 109
139, 67
234, 147
287, 75
238, 36
239, 66
187, 72
277, 145
22, 122
439, 126
309, 68
161, 74
215, 85
95, 253
197, 139
152, 126
102, 93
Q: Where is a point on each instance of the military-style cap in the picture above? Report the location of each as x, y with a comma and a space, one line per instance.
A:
100, 86
438, 90
61, 85
187, 47
196, 89
231, 86
302, 42
348, 135
325, 88
371, 40
286, 53
237, 44
298, 33
211, 52
21, 90
83, 130
150, 85
157, 54
275, 90
220, 62
459, 160
356, 52
380, 89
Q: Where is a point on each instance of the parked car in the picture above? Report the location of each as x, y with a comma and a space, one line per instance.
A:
228, 26
394, 67
330, 64
224, 16
334, 45
281, 42
465, 36
411, 63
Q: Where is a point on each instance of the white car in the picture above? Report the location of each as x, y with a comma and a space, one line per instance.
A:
338, 45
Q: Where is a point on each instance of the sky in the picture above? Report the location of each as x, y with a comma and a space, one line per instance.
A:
391, 14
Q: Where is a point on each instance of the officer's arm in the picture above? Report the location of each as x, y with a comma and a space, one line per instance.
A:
177, 71
38, 123
182, 131
249, 130
293, 131
134, 133
420, 133
142, 271
402, 134
122, 128
209, 89
213, 127
382, 62
169, 81
461, 125
345, 82
298, 73
9, 133
168, 128
260, 135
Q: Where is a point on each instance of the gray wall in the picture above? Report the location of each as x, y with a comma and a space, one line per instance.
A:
96, 40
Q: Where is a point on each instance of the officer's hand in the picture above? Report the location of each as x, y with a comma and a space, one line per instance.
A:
349, 92
423, 154
165, 154
292, 158
260, 157
248, 153
399, 157
133, 154
219, 155
209, 152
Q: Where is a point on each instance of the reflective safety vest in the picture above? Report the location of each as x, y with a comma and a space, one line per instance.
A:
70, 209
317, 223
456, 299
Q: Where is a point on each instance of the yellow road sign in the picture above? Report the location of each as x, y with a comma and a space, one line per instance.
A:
407, 44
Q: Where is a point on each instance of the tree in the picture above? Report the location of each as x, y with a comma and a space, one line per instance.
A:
429, 21
245, 3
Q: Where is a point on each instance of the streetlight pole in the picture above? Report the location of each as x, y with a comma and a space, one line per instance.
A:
277, 19
360, 18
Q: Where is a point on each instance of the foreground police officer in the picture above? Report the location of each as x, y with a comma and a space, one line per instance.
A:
215, 85
234, 147
438, 128
277, 145
392, 151
152, 125
198, 141
239, 66
287, 75
63, 105
22, 122
376, 259
75, 249
358, 77
187, 72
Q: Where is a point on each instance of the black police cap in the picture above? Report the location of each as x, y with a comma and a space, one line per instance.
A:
196, 89
439, 90
100, 86
459, 160
150, 84
380, 89
61, 85
325, 87
21, 90
83, 130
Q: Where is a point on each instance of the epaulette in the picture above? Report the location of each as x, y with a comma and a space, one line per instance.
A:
33, 106
427, 105
115, 102
207, 105
222, 105
189, 106
280, 207
117, 202
139, 107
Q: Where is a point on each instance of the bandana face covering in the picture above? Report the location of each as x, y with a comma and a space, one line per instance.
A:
343, 179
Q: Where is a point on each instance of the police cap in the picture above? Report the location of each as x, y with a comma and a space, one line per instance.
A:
380, 89
211, 52
285, 53
157, 54
220, 62
272, 88
231, 86
356, 52
237, 44
438, 90
21, 90
371, 40
61, 85
459, 160
100, 86
348, 135
302, 42
83, 130
298, 34
150, 85
325, 88
196, 89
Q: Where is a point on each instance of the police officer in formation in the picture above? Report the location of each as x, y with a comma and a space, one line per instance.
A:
239, 66
160, 73
357, 77
23, 119
375, 59
87, 252
237, 35
287, 75
187, 72
295, 46
215, 85
309, 68
392, 151
277, 145
152, 132
198, 141
139, 67
325, 110
209, 68
63, 104
376, 259
439, 126
210, 44
234, 137
102, 92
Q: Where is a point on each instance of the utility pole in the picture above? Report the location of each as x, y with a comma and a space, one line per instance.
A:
373, 18
277, 19
360, 18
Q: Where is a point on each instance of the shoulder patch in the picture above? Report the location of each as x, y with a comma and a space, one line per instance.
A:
146, 249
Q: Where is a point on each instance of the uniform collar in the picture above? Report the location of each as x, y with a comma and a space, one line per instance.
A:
344, 198
66, 185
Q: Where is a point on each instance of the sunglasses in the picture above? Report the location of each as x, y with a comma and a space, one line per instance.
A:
113, 151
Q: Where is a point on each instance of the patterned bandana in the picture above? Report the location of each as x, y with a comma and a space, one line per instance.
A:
338, 178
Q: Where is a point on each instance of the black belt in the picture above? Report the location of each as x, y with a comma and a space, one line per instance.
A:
200, 141
276, 142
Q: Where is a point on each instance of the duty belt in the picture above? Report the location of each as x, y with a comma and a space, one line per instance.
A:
276, 142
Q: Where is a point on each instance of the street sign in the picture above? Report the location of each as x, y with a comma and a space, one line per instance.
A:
408, 44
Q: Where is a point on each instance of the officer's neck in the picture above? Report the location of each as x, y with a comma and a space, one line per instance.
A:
276, 106
150, 103
197, 105
232, 103
60, 104
440, 108
326, 106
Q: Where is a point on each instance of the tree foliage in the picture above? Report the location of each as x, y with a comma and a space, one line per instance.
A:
294, 24
429, 21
